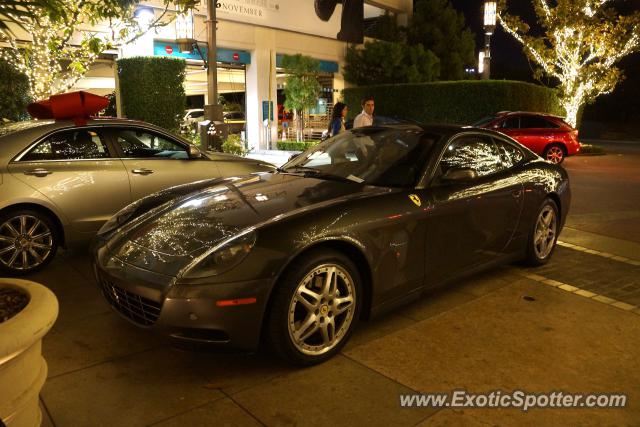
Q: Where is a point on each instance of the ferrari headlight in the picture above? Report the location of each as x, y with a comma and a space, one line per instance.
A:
223, 257
120, 218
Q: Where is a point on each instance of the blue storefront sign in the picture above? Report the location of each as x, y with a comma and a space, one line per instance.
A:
325, 66
172, 50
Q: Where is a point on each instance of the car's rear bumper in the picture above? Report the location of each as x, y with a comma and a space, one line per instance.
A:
218, 315
573, 148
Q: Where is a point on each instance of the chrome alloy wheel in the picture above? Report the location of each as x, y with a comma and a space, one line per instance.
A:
25, 242
555, 154
322, 309
544, 236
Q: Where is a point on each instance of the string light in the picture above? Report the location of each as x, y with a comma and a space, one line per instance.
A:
51, 62
580, 47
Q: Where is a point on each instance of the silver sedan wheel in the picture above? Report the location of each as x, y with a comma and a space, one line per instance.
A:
544, 236
25, 242
555, 154
322, 309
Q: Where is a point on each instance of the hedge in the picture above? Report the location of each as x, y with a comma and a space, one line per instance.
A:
295, 146
455, 102
14, 93
152, 90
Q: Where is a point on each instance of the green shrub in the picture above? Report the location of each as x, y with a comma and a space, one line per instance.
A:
456, 102
295, 146
234, 145
14, 93
152, 90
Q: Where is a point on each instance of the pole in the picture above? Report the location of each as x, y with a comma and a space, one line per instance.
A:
487, 57
212, 111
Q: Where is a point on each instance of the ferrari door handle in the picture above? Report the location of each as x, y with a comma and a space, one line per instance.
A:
516, 193
39, 172
142, 171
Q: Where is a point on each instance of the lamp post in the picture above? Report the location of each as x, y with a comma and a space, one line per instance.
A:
490, 10
212, 127
184, 31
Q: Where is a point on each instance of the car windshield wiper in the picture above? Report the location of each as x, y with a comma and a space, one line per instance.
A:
317, 173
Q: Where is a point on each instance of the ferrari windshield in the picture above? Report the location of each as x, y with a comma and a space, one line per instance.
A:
390, 157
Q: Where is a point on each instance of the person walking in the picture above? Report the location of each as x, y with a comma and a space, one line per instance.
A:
336, 124
366, 117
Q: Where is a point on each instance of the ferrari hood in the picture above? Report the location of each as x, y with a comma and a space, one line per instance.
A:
189, 224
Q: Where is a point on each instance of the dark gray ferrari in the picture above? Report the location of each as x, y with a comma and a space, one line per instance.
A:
356, 225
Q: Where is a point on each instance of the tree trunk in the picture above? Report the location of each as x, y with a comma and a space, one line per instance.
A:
571, 105
299, 123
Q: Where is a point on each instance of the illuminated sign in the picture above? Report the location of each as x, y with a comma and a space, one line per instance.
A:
171, 49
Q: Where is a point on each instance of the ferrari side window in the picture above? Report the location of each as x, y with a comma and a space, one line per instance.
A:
475, 152
510, 155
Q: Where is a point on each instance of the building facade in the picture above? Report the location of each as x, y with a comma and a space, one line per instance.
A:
252, 37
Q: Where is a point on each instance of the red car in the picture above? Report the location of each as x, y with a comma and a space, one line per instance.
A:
547, 135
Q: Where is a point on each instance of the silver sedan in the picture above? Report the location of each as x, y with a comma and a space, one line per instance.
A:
60, 182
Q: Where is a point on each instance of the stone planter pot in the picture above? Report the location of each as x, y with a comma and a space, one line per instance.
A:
22, 368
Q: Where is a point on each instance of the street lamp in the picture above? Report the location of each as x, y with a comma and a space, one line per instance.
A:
184, 31
184, 35
481, 62
490, 11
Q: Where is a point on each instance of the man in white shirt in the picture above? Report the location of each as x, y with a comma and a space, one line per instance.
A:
366, 117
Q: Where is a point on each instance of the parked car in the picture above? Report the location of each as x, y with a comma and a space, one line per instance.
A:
60, 182
546, 135
190, 119
353, 226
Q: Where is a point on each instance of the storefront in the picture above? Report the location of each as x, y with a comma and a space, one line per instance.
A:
252, 37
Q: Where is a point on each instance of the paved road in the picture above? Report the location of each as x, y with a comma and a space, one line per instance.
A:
606, 192
572, 325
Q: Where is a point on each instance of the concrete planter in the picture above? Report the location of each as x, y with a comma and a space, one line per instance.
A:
22, 368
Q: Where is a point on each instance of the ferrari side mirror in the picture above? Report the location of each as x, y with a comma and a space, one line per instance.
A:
459, 175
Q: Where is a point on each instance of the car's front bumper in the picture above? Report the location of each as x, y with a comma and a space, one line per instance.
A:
185, 313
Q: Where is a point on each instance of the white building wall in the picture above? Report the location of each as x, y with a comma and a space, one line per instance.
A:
263, 43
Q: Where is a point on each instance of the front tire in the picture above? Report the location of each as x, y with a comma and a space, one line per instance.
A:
315, 307
544, 234
28, 241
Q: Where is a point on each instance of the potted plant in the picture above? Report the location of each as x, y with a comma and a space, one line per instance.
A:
27, 312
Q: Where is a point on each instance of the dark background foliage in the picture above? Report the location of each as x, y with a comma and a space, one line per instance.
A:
383, 61
152, 90
441, 29
14, 93
459, 102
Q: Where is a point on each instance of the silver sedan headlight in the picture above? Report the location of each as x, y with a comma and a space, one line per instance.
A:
223, 257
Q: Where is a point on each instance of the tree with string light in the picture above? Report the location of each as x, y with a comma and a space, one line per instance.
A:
58, 54
582, 41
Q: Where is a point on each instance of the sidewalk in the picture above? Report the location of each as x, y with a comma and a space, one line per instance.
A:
479, 334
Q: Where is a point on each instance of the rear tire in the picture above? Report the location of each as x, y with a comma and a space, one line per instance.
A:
543, 235
311, 318
28, 241
555, 153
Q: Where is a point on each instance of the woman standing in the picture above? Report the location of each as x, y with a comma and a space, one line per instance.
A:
336, 125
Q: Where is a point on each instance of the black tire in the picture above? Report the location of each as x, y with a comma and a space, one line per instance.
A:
37, 257
535, 257
283, 307
555, 153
